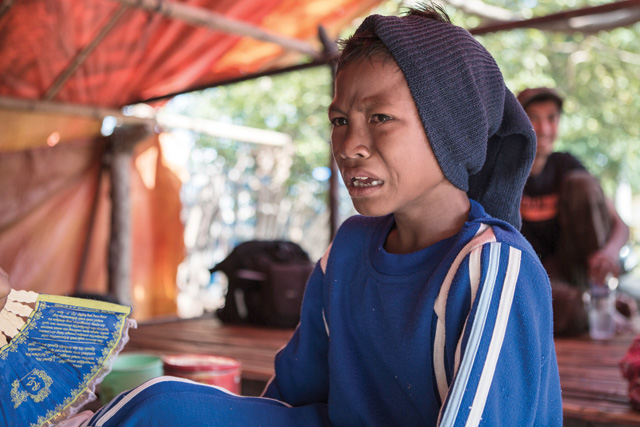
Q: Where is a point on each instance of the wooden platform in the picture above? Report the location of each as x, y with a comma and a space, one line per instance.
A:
593, 390
594, 393
254, 347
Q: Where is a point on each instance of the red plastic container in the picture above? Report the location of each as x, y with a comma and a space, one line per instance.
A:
205, 368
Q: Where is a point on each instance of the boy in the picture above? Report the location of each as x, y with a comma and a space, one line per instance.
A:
428, 310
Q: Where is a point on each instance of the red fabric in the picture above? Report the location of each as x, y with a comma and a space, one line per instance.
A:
630, 366
145, 54
47, 196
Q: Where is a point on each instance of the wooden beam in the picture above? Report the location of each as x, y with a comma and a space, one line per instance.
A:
223, 130
544, 22
83, 54
208, 127
206, 18
68, 109
485, 11
243, 78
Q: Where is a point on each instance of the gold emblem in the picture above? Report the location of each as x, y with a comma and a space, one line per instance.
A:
35, 385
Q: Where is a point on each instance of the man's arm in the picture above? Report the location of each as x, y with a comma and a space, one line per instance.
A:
607, 260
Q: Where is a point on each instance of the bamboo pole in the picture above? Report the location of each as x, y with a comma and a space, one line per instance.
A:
52, 107
223, 130
83, 54
242, 78
206, 18
146, 115
601, 17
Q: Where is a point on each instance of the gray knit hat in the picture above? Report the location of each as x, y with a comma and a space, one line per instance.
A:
479, 133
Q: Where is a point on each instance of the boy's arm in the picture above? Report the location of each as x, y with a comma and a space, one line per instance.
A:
507, 372
302, 371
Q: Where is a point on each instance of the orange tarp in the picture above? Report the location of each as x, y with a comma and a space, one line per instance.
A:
47, 197
145, 54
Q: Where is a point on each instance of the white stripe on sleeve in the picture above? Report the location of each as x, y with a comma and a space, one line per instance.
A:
502, 318
483, 235
462, 378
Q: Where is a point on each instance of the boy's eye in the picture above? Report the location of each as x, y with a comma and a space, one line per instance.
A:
339, 121
380, 118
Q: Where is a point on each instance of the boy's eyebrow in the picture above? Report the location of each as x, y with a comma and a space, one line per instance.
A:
369, 102
373, 101
333, 109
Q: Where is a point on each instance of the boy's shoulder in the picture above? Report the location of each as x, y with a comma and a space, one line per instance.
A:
504, 232
512, 237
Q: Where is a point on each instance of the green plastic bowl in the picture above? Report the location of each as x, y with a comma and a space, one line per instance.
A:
129, 370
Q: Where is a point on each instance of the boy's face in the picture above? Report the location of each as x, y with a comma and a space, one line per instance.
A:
379, 143
545, 117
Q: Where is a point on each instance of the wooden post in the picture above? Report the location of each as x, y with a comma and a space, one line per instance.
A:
330, 50
121, 145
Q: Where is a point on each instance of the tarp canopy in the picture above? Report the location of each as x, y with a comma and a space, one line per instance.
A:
64, 65
111, 53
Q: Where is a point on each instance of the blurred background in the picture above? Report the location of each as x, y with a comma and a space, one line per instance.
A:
238, 147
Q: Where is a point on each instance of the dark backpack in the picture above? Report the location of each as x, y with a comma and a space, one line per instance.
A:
266, 283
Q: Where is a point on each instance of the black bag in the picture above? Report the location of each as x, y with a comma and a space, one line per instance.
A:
266, 283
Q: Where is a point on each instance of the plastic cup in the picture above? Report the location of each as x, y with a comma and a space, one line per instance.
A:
601, 309
128, 371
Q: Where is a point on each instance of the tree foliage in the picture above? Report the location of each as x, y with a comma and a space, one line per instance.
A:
599, 75
294, 103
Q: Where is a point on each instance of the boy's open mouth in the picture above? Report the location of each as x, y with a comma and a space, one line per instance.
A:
365, 181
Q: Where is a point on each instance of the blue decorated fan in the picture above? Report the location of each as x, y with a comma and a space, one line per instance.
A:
54, 351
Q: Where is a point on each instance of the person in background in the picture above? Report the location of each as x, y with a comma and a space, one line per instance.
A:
566, 217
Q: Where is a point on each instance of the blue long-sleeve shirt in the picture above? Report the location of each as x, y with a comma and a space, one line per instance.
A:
460, 331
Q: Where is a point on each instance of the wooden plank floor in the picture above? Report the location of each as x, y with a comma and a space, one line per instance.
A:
254, 347
594, 393
593, 390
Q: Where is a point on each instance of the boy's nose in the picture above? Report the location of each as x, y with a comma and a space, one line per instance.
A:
353, 145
